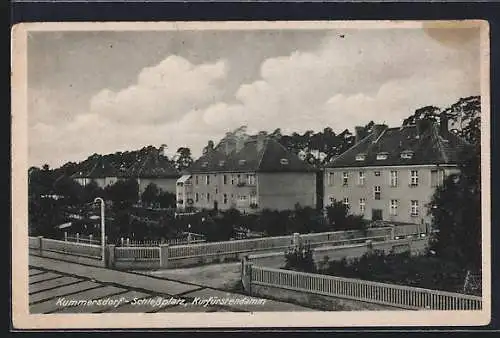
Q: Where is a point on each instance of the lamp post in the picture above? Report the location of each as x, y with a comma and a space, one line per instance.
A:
103, 230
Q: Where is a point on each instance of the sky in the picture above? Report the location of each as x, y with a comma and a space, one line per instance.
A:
107, 91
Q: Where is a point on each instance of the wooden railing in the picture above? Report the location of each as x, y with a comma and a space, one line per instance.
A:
374, 292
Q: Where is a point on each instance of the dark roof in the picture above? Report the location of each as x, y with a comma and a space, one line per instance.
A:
269, 157
99, 168
428, 147
154, 165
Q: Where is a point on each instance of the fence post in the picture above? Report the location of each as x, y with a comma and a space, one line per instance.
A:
189, 238
369, 246
246, 274
393, 233
90, 239
78, 237
164, 255
110, 260
128, 241
409, 244
40, 242
121, 241
65, 236
296, 240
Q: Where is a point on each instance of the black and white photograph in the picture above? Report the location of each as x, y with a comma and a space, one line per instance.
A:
251, 174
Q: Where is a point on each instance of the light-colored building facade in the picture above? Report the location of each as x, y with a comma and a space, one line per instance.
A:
102, 173
154, 168
249, 173
392, 173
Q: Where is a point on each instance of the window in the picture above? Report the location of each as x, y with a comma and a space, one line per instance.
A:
362, 205
376, 191
345, 178
330, 178
437, 177
407, 154
251, 179
208, 197
196, 197
345, 202
382, 156
284, 161
413, 178
222, 163
253, 199
377, 173
224, 179
196, 180
360, 157
332, 200
414, 208
242, 198
393, 211
242, 162
232, 179
225, 198
207, 179
394, 178
204, 164
361, 178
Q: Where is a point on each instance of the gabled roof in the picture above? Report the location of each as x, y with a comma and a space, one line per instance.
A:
99, 168
428, 147
154, 165
270, 156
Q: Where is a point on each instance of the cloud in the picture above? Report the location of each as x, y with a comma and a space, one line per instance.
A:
346, 83
162, 93
367, 75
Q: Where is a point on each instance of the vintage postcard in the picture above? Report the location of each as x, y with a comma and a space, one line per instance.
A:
250, 174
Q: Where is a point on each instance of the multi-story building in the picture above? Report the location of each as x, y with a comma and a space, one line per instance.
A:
154, 168
392, 173
101, 172
249, 173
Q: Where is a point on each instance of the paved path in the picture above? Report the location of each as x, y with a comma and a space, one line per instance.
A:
55, 284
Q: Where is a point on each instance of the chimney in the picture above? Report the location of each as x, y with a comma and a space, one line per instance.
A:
443, 125
358, 132
240, 143
377, 131
261, 138
163, 150
229, 143
422, 126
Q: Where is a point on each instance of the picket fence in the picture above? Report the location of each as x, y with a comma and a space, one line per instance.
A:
361, 290
136, 253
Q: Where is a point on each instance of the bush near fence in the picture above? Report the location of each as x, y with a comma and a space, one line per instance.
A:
254, 278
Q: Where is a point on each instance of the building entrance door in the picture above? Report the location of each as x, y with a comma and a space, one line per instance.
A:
377, 214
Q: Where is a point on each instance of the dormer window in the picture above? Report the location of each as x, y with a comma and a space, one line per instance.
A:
407, 154
360, 157
284, 161
382, 156
242, 162
222, 163
204, 164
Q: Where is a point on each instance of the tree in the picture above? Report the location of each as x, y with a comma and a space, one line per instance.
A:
300, 258
69, 188
425, 113
456, 213
466, 115
166, 199
123, 193
183, 158
340, 219
150, 194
